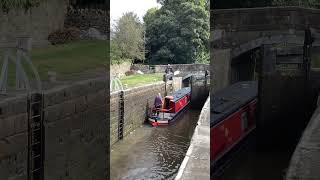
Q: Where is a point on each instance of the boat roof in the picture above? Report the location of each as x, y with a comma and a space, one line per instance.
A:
230, 99
180, 93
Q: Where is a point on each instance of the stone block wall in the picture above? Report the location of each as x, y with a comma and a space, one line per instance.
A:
37, 22
120, 69
304, 163
89, 18
114, 117
141, 67
76, 131
265, 18
13, 138
136, 104
235, 27
137, 101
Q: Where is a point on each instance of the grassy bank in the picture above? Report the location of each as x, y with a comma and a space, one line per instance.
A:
65, 59
315, 61
141, 79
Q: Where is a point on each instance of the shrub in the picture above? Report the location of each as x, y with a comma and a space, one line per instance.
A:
64, 36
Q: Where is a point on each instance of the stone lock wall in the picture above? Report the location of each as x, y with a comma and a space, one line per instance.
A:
237, 31
13, 138
76, 131
136, 103
75, 125
114, 117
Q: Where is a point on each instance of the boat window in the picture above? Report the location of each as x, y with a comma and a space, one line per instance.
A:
244, 121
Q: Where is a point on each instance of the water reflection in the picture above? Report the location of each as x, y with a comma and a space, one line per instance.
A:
252, 164
154, 153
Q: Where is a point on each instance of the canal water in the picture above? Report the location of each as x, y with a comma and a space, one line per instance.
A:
252, 164
157, 152
154, 152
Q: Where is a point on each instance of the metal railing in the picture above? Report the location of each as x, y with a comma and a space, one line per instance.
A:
17, 54
116, 84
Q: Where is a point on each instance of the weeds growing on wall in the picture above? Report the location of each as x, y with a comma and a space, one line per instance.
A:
7, 5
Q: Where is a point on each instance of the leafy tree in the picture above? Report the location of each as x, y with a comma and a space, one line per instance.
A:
127, 39
222, 4
303, 3
115, 53
178, 32
7, 5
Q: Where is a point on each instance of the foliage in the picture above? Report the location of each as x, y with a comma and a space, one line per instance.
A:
315, 60
221, 4
302, 3
115, 53
7, 5
127, 40
178, 32
64, 35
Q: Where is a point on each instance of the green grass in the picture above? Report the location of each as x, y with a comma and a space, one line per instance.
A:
315, 61
141, 79
65, 59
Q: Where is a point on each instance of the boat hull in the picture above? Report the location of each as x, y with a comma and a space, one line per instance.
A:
172, 107
232, 121
166, 121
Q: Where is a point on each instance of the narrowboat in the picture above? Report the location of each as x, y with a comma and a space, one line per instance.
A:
231, 121
172, 106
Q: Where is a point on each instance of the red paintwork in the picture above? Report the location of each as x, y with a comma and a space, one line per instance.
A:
174, 107
178, 105
227, 133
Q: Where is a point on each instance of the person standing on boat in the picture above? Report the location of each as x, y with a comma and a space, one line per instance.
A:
158, 103
169, 69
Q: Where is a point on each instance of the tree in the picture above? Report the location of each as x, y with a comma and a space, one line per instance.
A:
302, 3
222, 4
127, 39
115, 53
7, 5
178, 32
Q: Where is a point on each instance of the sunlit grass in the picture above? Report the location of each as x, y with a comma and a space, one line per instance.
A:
141, 79
65, 59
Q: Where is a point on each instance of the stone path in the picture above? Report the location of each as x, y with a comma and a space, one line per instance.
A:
305, 162
196, 164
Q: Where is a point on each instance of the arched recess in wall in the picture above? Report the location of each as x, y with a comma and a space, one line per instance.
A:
276, 39
244, 59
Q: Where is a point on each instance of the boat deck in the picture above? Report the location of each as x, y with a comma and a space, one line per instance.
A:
232, 98
165, 116
180, 93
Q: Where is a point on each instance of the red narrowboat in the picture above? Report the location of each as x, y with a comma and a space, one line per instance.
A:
171, 107
232, 119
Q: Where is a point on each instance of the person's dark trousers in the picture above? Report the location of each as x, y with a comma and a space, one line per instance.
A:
158, 107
